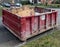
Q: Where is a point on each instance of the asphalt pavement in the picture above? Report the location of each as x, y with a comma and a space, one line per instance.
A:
7, 39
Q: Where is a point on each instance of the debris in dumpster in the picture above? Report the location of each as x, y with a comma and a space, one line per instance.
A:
23, 11
27, 11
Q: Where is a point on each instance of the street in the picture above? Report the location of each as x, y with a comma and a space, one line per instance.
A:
7, 39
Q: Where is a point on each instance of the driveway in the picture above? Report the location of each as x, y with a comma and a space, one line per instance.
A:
7, 39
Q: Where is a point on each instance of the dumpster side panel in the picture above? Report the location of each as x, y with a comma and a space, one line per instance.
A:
42, 22
34, 24
11, 16
37, 9
10, 21
48, 20
25, 28
54, 18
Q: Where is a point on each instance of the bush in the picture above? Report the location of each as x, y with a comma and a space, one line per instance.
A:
54, 6
57, 2
25, 2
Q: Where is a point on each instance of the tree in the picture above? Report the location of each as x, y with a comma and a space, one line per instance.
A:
56, 1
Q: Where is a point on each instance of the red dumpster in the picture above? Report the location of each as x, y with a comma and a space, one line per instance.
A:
28, 26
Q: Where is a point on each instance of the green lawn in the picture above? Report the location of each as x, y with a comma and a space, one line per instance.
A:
48, 6
50, 40
0, 11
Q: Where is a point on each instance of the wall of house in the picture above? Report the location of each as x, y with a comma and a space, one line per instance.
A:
43, 1
48, 1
